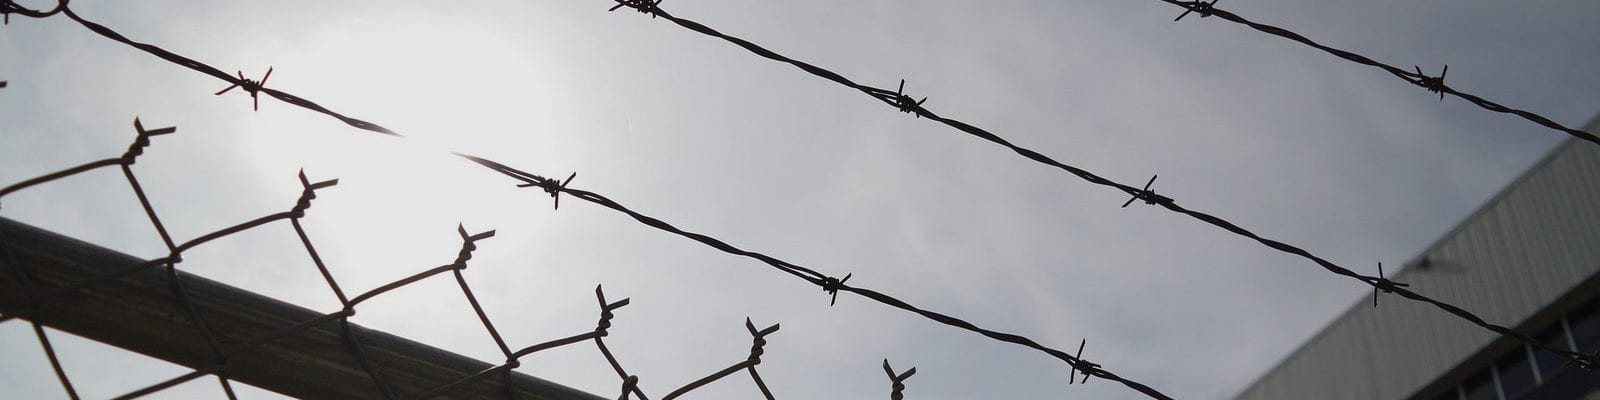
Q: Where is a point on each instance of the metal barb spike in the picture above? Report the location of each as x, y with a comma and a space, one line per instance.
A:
138, 126
601, 295
1205, 9
1149, 196
644, 6
462, 229
1087, 367
305, 183
907, 104
1384, 284
832, 285
1433, 84
249, 86
550, 186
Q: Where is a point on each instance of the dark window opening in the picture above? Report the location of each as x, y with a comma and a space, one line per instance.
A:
1554, 336
1480, 387
1448, 395
1586, 327
1516, 375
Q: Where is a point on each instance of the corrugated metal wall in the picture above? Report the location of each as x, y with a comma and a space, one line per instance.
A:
1531, 244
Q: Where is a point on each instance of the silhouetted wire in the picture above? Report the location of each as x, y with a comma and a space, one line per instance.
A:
1432, 83
252, 87
126, 162
347, 310
906, 103
9, 7
897, 381
36, 304
829, 284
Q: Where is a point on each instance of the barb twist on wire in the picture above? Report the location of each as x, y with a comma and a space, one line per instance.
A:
250, 86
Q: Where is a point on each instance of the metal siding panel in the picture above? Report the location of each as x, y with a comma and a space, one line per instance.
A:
1557, 210
1514, 264
1534, 241
1544, 245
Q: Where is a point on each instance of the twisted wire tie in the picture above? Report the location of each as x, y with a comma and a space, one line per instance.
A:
468, 244
897, 382
307, 193
142, 140
628, 385
605, 311
760, 340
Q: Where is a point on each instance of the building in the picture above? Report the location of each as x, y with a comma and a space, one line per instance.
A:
1528, 259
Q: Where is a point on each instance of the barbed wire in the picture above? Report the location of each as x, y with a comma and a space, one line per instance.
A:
1433, 84
829, 284
908, 104
222, 355
904, 103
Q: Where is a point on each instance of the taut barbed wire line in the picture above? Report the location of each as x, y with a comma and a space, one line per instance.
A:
253, 87
908, 104
1432, 83
829, 284
223, 354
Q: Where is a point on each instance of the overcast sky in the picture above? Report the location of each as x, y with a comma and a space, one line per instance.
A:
1341, 159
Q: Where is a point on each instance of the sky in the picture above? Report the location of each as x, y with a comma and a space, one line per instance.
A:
1341, 159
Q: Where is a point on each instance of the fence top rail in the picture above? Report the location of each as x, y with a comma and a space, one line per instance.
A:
138, 312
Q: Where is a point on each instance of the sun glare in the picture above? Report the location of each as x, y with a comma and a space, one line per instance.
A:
448, 88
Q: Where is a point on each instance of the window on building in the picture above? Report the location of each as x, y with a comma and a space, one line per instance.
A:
1554, 336
1451, 394
1480, 387
1516, 374
1586, 326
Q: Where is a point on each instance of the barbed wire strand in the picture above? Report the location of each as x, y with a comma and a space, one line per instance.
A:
829, 284
253, 87
1433, 84
908, 104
